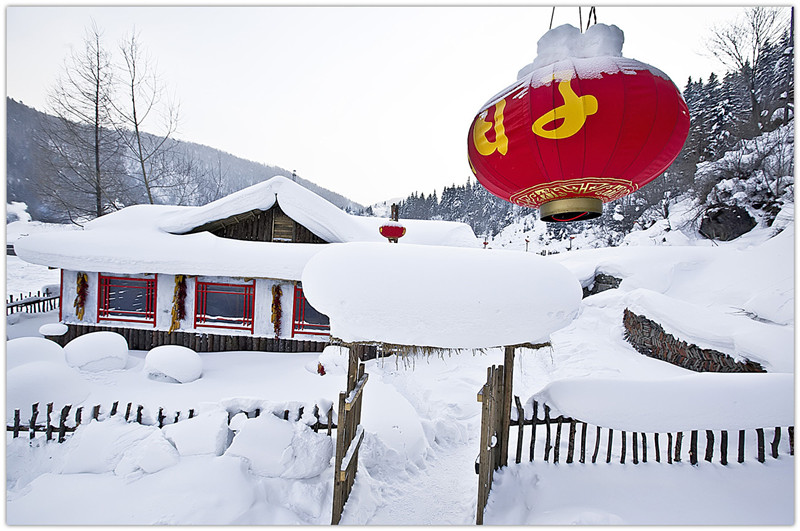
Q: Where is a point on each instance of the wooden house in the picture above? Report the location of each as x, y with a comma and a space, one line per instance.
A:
223, 276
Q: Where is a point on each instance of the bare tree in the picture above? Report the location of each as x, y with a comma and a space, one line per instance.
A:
81, 171
740, 45
149, 155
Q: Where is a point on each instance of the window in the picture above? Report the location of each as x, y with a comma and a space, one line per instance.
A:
306, 319
220, 305
126, 299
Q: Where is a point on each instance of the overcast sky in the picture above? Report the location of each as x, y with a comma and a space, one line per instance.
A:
372, 102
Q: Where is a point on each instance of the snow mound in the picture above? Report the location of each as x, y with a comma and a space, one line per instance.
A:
334, 359
53, 329
42, 382
115, 445
27, 349
97, 351
173, 363
567, 41
278, 448
438, 296
17, 211
205, 434
700, 401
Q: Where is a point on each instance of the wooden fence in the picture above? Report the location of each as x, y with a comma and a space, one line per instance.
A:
561, 436
348, 439
35, 425
572, 438
31, 303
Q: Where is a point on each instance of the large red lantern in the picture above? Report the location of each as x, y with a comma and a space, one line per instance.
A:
578, 132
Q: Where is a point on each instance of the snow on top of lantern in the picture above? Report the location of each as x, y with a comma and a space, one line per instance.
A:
438, 296
565, 50
567, 41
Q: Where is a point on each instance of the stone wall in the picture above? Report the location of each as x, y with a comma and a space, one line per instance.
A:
650, 339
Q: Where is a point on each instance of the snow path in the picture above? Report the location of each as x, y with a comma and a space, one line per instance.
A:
444, 493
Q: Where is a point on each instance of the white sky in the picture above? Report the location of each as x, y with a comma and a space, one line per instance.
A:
373, 102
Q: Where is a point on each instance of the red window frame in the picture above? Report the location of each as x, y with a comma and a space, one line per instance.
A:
248, 291
106, 313
299, 326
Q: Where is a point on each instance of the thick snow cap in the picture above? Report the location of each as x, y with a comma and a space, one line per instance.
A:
567, 41
438, 296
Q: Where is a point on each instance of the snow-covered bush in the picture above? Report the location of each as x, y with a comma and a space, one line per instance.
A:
173, 363
97, 351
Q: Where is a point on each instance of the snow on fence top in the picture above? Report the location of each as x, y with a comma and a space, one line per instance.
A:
703, 401
153, 239
438, 296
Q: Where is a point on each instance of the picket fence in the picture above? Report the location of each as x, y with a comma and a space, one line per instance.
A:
62, 428
30, 303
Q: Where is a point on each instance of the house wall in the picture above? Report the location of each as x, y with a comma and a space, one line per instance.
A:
165, 291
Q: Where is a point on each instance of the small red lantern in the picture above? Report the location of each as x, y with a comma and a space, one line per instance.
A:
578, 132
392, 231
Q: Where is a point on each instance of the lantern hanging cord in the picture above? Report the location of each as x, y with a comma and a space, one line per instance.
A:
592, 11
552, 14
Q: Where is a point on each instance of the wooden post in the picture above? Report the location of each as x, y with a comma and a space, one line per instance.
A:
644, 448
520, 426
740, 458
596, 443
16, 423
505, 419
610, 442
693, 447
571, 445
96, 412
49, 425
723, 448
160, 417
709, 445
338, 503
62, 425
658, 450
678, 442
624, 441
775, 442
557, 447
128, 411
669, 448
760, 442
139, 414
635, 446
547, 434
583, 443
34, 414
114, 408
534, 421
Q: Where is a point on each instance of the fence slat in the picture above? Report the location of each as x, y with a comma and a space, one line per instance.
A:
533, 423
723, 448
709, 445
62, 425
596, 444
760, 442
775, 442
741, 446
583, 443
520, 426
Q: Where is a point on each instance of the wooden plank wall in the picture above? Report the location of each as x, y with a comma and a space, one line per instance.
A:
145, 339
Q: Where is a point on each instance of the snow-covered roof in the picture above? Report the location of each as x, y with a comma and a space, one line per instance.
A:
157, 238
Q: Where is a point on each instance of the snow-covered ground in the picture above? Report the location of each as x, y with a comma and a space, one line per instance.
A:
421, 416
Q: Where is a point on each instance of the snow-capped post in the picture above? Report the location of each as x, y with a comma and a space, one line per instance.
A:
393, 230
580, 127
